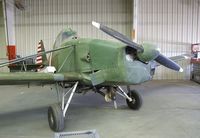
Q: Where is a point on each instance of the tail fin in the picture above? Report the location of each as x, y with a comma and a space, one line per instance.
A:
41, 59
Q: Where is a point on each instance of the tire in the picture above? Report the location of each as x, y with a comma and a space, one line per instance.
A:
137, 100
55, 118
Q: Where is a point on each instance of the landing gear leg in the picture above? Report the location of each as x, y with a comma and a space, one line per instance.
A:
57, 112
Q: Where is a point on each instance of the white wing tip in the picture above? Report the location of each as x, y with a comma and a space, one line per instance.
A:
186, 57
97, 25
180, 70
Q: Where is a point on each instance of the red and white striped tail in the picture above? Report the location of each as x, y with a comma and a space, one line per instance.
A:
39, 50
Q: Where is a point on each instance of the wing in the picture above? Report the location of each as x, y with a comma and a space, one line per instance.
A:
39, 78
180, 57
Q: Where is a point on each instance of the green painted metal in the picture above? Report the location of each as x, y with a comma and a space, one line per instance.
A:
149, 52
104, 54
25, 77
32, 77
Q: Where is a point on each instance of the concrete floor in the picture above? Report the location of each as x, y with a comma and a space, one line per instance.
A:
170, 109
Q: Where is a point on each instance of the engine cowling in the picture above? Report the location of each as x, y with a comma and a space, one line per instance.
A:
149, 53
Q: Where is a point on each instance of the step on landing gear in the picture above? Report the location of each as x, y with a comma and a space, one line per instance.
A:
57, 112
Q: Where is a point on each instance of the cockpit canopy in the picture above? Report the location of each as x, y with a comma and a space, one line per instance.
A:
64, 35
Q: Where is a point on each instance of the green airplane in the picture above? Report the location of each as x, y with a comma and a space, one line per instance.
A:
83, 64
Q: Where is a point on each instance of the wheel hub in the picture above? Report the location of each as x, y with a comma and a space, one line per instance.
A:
51, 119
133, 100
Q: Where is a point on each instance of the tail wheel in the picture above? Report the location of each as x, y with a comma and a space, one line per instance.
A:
136, 102
56, 118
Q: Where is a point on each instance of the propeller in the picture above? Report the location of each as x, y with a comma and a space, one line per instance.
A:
145, 52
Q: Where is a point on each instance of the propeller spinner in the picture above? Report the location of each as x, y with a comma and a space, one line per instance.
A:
145, 53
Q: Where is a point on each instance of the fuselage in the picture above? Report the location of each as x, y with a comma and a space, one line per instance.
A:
101, 62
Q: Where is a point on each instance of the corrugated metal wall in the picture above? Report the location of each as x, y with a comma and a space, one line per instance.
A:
43, 19
3, 56
171, 24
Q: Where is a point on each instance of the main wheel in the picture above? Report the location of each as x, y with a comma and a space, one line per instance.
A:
136, 102
55, 118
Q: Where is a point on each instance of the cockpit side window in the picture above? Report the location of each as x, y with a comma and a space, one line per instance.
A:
63, 36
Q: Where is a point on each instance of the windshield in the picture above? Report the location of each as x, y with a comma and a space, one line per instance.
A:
64, 35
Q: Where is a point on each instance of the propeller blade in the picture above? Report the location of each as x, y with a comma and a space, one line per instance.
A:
118, 36
165, 61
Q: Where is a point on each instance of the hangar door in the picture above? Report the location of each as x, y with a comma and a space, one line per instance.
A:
43, 19
173, 25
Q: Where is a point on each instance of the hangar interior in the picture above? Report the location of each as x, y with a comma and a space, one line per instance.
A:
170, 101
171, 25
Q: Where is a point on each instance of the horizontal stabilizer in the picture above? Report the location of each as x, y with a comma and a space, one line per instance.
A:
31, 56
